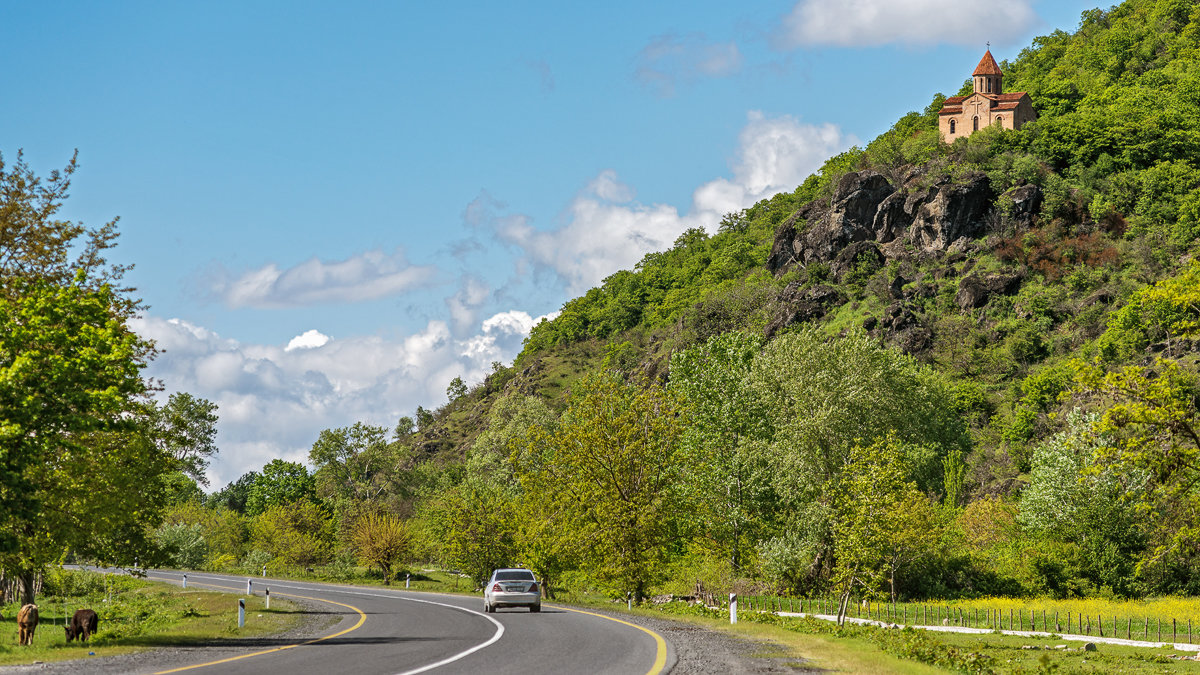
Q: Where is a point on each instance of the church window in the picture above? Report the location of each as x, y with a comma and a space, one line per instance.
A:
951, 126
977, 123
989, 85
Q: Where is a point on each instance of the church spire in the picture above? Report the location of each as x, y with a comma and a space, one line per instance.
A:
989, 79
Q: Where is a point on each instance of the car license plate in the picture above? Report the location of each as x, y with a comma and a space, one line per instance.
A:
514, 588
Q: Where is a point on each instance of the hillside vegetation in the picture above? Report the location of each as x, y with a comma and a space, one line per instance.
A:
931, 370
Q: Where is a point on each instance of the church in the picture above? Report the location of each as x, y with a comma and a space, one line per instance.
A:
964, 115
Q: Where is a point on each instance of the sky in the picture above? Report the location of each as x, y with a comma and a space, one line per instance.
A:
335, 208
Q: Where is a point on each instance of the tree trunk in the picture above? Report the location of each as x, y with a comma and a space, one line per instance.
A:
27, 591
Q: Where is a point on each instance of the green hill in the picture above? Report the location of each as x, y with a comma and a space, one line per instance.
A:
930, 370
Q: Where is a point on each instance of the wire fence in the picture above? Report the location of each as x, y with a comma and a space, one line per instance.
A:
1144, 627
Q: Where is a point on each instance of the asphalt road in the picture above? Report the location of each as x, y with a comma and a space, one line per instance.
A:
396, 631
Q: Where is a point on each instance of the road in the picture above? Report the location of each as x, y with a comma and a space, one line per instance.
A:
397, 631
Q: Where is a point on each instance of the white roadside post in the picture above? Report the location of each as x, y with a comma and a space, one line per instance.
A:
733, 608
241, 613
406, 578
268, 598
264, 570
629, 600
185, 581
249, 591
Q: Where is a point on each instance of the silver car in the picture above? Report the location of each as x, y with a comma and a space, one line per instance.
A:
512, 588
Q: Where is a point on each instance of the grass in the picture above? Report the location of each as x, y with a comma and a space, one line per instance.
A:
139, 615
1155, 619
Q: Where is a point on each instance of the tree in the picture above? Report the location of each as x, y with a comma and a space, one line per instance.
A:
295, 533
186, 429
235, 495
826, 396
610, 468
73, 421
381, 540
280, 483
72, 430
724, 478
884, 523
457, 389
473, 528
356, 466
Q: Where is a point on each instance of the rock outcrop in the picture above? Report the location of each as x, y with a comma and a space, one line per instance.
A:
865, 207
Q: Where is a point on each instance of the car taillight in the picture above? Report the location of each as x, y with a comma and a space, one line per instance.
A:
496, 588
533, 588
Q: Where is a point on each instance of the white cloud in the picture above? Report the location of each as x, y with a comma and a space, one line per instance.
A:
367, 276
464, 305
669, 61
274, 401
607, 230
863, 23
309, 339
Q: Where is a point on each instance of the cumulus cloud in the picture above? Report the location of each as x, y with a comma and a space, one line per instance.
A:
274, 401
309, 339
608, 230
669, 61
866, 23
367, 276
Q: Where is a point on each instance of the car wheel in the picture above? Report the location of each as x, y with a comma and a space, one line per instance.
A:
535, 608
487, 609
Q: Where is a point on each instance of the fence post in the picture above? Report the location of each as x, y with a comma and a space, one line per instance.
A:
733, 608
241, 612
1100, 624
1174, 632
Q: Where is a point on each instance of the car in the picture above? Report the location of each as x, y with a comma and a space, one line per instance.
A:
512, 587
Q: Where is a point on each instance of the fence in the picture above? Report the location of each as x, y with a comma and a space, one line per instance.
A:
1144, 627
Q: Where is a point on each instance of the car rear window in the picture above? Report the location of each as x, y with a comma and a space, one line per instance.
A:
515, 575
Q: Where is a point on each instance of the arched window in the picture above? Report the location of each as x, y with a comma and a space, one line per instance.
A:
989, 85
977, 123
952, 126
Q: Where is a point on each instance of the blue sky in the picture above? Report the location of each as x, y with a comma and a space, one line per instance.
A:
335, 208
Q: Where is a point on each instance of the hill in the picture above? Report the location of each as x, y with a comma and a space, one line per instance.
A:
930, 370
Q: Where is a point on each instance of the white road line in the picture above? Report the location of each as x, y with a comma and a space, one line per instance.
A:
344, 589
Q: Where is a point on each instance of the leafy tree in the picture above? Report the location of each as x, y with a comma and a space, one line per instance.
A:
224, 530
472, 527
884, 523
381, 540
72, 430
457, 389
356, 467
826, 396
727, 481
186, 429
236, 495
280, 482
183, 544
294, 533
610, 467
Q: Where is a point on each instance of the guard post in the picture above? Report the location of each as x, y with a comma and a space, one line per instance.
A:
241, 612
406, 578
733, 608
268, 598
249, 590
185, 581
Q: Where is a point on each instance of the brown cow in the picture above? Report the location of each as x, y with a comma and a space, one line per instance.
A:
82, 625
27, 621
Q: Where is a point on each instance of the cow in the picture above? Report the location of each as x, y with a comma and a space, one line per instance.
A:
82, 625
27, 621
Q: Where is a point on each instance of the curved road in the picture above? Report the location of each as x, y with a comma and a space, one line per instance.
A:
397, 631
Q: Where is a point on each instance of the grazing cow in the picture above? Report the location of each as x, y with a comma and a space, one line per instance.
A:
27, 620
82, 625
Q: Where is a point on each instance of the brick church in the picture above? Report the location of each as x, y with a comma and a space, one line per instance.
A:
964, 115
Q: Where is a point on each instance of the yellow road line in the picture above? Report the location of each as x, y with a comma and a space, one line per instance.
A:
660, 656
362, 618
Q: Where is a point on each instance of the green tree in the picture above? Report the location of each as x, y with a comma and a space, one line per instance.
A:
826, 396
280, 482
884, 523
381, 540
457, 389
70, 394
472, 527
356, 467
186, 429
235, 495
610, 467
295, 533
724, 477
